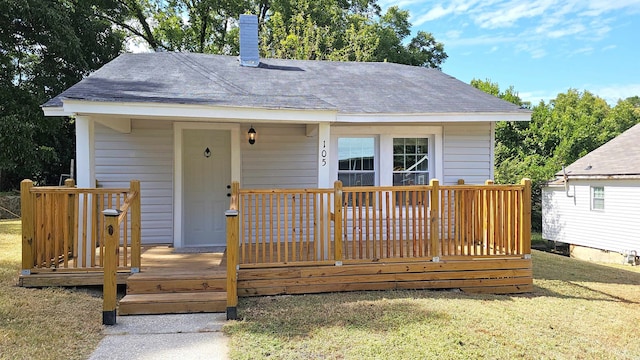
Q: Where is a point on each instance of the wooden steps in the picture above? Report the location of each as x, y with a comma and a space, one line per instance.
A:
174, 293
173, 303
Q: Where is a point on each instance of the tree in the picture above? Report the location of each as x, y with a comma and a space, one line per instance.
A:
342, 30
560, 132
46, 46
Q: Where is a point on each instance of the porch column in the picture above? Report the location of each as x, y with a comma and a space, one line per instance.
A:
324, 177
85, 175
324, 173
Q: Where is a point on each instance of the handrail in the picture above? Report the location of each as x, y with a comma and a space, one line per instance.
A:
63, 227
288, 226
114, 221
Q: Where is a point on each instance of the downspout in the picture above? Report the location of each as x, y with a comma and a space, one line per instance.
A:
566, 181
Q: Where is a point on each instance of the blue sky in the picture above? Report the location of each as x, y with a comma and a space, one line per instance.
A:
541, 47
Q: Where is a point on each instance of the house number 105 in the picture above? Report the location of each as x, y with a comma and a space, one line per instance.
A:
323, 153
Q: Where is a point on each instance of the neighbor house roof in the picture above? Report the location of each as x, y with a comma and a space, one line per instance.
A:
620, 157
344, 87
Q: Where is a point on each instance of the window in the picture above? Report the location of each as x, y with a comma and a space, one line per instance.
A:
597, 198
410, 161
356, 161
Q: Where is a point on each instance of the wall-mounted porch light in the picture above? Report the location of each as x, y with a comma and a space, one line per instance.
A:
252, 135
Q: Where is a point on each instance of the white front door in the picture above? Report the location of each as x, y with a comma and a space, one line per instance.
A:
206, 173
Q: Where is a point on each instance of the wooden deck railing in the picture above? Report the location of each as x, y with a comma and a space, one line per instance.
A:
395, 223
63, 227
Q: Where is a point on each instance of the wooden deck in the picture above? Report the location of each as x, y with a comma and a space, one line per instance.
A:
475, 274
157, 261
284, 241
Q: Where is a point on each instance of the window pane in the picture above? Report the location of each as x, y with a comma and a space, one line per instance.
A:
398, 163
405, 179
357, 179
422, 144
597, 198
410, 146
423, 163
356, 161
410, 161
598, 204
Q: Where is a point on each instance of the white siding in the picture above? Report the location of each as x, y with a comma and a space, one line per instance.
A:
146, 154
282, 157
570, 219
467, 153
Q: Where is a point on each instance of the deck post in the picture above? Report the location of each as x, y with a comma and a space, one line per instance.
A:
435, 220
525, 219
135, 227
28, 229
487, 217
337, 225
71, 217
109, 286
232, 253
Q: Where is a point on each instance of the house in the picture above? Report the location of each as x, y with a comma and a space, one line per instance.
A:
246, 153
594, 204
181, 123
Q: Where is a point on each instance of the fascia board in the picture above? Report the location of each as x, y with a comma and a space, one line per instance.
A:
432, 118
184, 111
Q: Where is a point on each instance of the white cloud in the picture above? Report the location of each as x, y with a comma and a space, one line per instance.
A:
540, 24
534, 97
610, 93
570, 29
596, 8
510, 12
536, 52
457, 7
583, 51
614, 92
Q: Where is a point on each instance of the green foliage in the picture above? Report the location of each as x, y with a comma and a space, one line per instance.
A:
560, 132
342, 30
47, 46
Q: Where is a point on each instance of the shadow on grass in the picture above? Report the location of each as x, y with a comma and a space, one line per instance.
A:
555, 267
563, 277
368, 311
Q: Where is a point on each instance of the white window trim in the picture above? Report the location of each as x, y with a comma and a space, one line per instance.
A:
384, 148
376, 157
592, 191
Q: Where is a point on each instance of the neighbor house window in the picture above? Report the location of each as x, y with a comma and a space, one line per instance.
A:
597, 198
356, 161
410, 161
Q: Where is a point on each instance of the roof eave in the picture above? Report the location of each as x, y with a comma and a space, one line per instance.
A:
55, 111
602, 177
195, 111
434, 117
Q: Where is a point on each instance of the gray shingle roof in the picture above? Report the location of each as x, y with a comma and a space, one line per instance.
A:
619, 157
347, 87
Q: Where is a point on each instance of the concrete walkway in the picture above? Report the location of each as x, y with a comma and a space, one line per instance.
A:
160, 337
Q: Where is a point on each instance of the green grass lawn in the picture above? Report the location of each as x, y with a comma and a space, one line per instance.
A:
578, 310
42, 323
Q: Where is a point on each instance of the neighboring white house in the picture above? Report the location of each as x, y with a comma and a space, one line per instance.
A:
180, 124
594, 205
